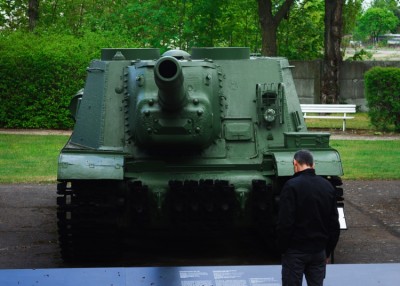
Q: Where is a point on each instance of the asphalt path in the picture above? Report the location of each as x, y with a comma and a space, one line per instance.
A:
336, 135
28, 232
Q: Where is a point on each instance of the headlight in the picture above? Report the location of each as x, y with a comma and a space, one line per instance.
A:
269, 115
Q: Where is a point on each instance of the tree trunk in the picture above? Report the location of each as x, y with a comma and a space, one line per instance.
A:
269, 25
33, 14
268, 28
332, 55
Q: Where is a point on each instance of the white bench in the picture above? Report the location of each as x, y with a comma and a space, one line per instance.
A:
324, 111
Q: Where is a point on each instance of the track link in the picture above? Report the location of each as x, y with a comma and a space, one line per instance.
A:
88, 221
337, 184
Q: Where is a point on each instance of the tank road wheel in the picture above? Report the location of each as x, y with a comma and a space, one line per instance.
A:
88, 218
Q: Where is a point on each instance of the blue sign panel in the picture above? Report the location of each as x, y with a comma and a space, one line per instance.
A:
346, 274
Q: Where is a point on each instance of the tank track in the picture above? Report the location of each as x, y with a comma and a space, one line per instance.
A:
203, 204
88, 221
97, 219
213, 205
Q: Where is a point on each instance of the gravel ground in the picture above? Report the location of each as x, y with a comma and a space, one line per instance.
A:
336, 135
28, 235
372, 211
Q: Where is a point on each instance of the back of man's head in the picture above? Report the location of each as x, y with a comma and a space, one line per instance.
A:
304, 157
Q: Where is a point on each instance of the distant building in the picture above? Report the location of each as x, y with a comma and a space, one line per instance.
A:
391, 39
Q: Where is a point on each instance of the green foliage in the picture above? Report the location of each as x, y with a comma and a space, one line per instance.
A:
39, 76
351, 12
374, 22
240, 25
12, 14
360, 55
302, 37
391, 5
186, 24
40, 70
177, 23
382, 88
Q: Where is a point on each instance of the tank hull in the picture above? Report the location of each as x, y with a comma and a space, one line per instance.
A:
181, 145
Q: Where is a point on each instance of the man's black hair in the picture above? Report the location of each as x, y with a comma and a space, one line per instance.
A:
304, 157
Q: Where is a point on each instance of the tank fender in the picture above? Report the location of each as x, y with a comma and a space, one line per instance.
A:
90, 166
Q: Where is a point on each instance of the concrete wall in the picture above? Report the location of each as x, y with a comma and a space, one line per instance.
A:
307, 78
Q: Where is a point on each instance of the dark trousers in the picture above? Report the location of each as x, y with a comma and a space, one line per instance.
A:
295, 264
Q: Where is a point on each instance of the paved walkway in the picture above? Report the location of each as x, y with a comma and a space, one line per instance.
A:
364, 137
35, 131
335, 136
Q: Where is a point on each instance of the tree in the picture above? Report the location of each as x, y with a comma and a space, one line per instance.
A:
375, 22
332, 53
391, 5
33, 13
333, 23
269, 23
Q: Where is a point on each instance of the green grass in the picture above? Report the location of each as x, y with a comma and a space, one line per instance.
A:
33, 158
362, 160
29, 158
369, 160
361, 121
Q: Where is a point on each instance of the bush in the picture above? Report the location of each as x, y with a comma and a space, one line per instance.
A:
40, 73
360, 55
382, 87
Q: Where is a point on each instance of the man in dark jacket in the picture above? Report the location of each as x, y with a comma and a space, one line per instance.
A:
308, 226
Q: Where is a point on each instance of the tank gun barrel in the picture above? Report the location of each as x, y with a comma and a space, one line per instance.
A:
169, 79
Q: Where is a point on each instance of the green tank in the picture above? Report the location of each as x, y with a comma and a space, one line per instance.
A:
182, 144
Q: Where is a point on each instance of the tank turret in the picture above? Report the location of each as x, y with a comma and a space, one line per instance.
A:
173, 103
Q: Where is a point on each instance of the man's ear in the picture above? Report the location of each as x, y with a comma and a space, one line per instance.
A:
295, 165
